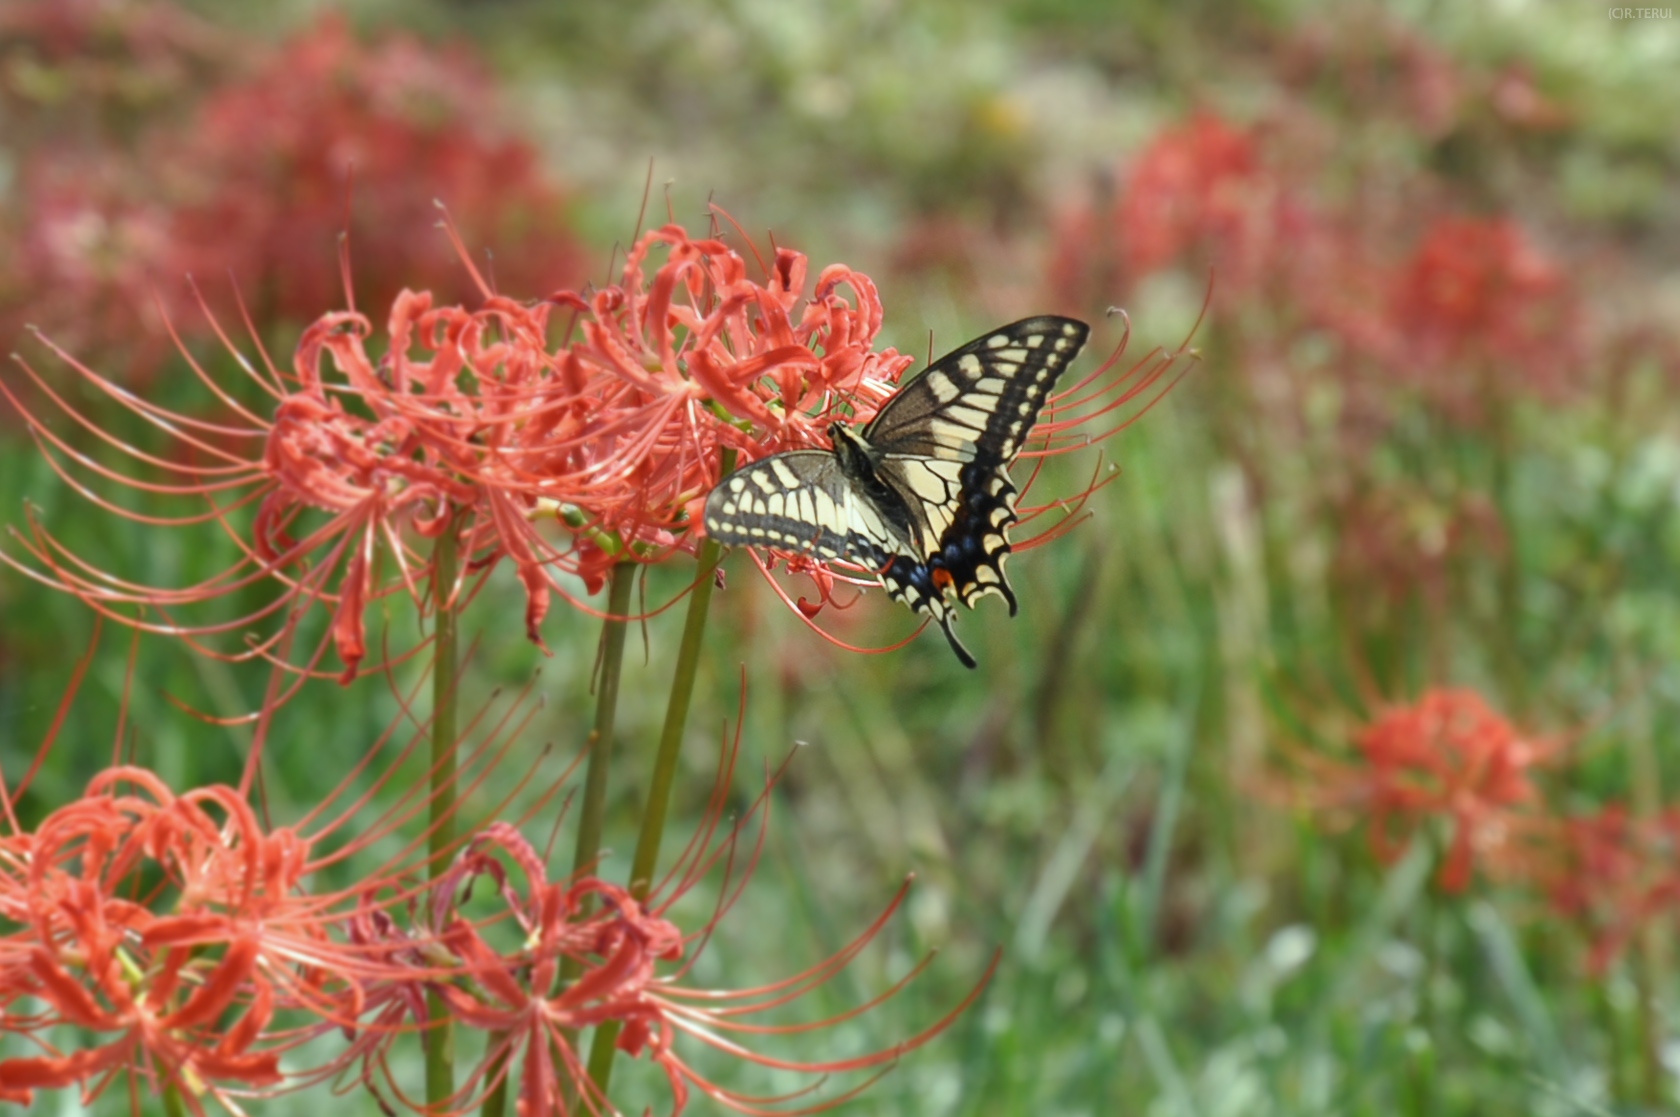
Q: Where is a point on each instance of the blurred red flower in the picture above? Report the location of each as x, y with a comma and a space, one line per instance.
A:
1446, 758
1396, 540
321, 136
1200, 188
335, 135
1611, 871
72, 71
1479, 304
86, 252
1376, 65
1462, 313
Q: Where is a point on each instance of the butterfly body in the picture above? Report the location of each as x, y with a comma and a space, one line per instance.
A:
920, 494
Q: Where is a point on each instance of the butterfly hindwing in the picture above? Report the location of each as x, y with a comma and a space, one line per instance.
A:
800, 501
970, 562
913, 584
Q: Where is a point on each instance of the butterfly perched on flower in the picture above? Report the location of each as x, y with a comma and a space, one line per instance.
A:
921, 493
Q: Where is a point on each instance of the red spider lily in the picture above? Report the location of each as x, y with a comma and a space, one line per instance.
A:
320, 137
388, 126
1476, 295
183, 1010
105, 63
634, 959
1205, 196
1400, 539
1591, 857
512, 996
700, 360
1201, 187
1469, 307
1081, 266
778, 363
1375, 66
1450, 756
179, 929
83, 251
620, 435
194, 945
371, 455
1447, 757
617, 436
1378, 67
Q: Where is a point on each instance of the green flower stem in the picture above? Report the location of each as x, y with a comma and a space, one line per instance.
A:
594, 807
440, 1040
646, 860
593, 810
172, 1101
495, 1102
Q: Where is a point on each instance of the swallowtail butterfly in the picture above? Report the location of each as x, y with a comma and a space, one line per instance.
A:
921, 493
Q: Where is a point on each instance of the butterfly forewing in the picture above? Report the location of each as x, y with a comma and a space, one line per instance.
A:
981, 400
947, 439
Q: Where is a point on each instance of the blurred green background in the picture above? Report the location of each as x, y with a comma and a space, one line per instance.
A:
1400, 463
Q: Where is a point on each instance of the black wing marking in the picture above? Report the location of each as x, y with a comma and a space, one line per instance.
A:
911, 583
801, 501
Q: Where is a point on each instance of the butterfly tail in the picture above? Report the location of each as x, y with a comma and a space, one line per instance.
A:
968, 660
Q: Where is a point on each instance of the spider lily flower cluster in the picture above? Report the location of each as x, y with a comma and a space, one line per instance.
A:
1449, 768
1612, 872
1448, 757
471, 423
1465, 315
199, 948
569, 438
183, 934
247, 159
334, 475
